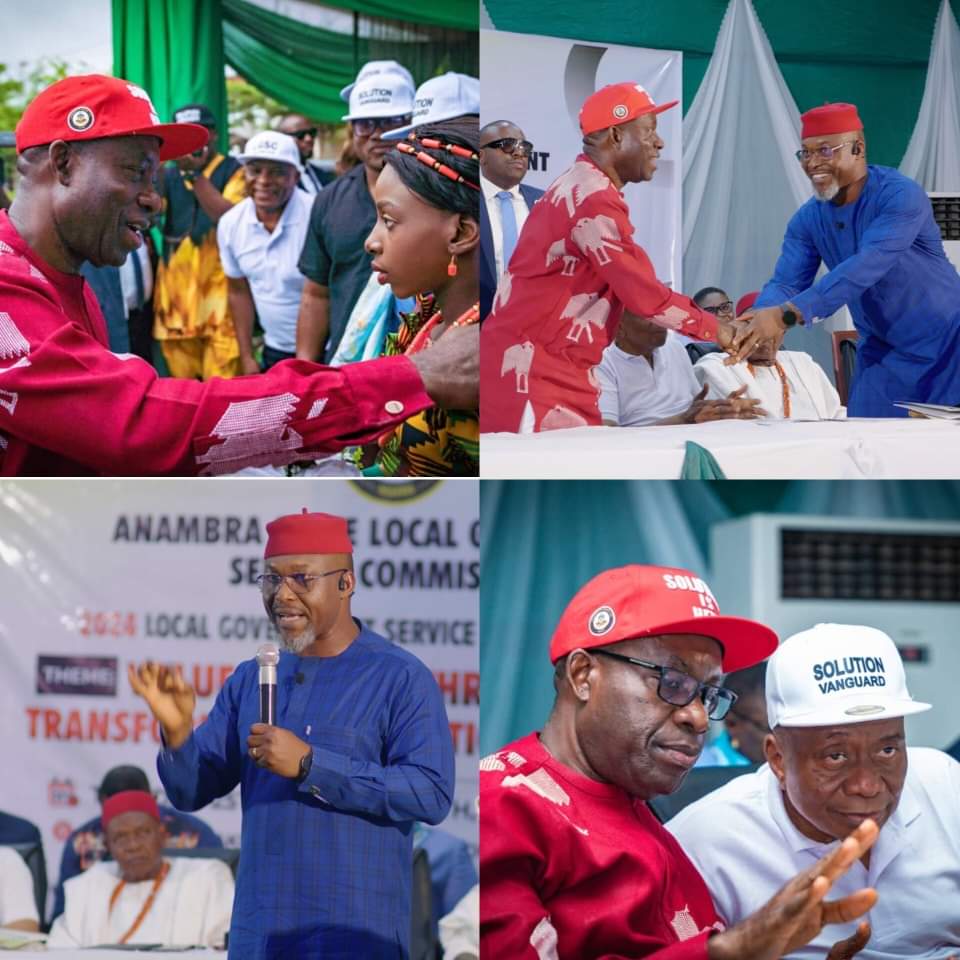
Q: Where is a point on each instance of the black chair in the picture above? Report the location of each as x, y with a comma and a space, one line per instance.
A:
229, 855
699, 782
423, 940
844, 361
32, 854
697, 350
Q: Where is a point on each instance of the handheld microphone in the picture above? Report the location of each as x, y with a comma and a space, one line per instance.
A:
268, 656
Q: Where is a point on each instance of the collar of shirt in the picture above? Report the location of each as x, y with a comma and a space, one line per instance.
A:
490, 189
298, 208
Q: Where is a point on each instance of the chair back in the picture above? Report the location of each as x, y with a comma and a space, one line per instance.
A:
32, 854
844, 361
423, 939
698, 783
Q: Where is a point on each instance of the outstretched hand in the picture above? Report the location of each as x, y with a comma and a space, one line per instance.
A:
170, 698
751, 328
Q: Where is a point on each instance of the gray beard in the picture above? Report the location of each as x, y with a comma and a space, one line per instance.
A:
300, 642
827, 194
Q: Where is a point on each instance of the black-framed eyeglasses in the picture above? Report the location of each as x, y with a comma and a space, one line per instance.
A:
305, 132
725, 307
300, 583
367, 125
678, 688
509, 145
825, 150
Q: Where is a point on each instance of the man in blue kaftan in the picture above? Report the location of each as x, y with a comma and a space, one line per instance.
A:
361, 750
874, 230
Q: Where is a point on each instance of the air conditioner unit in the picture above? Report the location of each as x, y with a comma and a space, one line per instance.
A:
902, 576
946, 211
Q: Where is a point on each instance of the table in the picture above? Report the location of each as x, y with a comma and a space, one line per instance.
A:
896, 448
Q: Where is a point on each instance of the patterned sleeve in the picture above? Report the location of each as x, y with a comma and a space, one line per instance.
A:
62, 391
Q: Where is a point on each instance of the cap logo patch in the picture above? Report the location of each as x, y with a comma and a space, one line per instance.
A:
601, 621
864, 710
620, 111
188, 116
80, 119
849, 673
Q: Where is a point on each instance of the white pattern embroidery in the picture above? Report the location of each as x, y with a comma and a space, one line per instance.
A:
585, 310
6, 248
317, 407
12, 342
503, 291
8, 400
542, 784
558, 250
514, 759
576, 185
518, 358
673, 318
3, 442
127, 356
596, 235
544, 940
37, 275
492, 764
22, 362
684, 926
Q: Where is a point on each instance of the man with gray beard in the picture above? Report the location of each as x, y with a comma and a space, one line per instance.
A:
361, 749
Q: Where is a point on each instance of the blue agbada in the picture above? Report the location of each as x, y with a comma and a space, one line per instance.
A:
887, 264
326, 865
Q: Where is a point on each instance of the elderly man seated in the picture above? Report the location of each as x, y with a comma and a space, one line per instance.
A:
789, 384
140, 896
646, 380
836, 698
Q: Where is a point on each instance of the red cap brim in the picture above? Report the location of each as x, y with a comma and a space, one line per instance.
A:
178, 139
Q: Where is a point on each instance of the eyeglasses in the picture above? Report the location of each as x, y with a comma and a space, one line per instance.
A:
825, 150
305, 132
678, 688
510, 145
725, 307
300, 583
367, 125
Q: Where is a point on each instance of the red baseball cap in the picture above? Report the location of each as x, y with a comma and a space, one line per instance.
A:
129, 801
747, 301
616, 104
93, 106
828, 119
645, 601
307, 533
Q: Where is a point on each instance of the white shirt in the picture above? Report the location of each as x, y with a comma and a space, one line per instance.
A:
746, 847
128, 280
520, 210
16, 889
634, 394
812, 395
460, 928
269, 263
191, 908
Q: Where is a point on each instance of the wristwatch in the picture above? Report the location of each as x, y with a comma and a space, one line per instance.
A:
789, 317
306, 761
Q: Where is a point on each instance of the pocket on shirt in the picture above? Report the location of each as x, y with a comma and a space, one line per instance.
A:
340, 740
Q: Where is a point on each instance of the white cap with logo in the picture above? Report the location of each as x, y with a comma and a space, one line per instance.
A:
441, 98
271, 145
376, 68
386, 95
836, 673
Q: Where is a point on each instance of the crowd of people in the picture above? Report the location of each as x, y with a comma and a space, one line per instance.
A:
579, 331
369, 279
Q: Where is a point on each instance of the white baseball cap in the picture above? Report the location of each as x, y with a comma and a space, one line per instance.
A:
441, 98
376, 68
837, 673
386, 95
271, 145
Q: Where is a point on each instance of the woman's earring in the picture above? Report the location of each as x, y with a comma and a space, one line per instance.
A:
452, 266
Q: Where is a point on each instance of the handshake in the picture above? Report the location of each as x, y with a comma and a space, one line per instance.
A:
741, 337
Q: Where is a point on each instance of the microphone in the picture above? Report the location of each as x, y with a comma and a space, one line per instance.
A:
267, 658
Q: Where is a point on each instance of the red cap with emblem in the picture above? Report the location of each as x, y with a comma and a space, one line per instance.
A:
129, 801
616, 104
306, 532
829, 119
93, 106
643, 601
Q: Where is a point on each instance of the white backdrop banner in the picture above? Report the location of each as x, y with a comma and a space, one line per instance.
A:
96, 574
540, 83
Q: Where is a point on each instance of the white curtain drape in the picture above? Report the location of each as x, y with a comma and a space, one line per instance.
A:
933, 154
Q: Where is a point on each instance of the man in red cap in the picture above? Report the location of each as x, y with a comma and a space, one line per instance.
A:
140, 896
573, 863
574, 270
361, 750
874, 229
89, 148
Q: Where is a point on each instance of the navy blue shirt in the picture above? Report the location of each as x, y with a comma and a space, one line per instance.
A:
341, 220
326, 865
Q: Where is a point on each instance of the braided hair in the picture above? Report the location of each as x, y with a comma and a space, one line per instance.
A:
433, 187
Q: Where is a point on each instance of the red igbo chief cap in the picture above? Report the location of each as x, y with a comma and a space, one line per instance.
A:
307, 533
93, 106
646, 601
829, 119
747, 301
129, 801
616, 104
